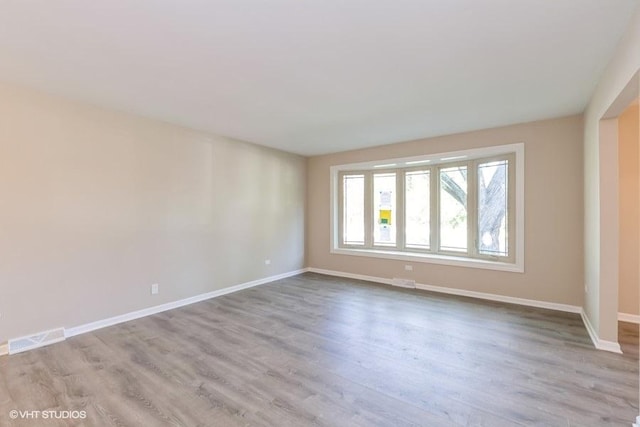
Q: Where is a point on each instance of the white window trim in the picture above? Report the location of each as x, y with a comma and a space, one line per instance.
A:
517, 266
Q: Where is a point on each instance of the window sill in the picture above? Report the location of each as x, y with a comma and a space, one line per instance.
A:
431, 258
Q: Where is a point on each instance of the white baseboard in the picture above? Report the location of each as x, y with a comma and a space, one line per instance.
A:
459, 292
88, 327
631, 318
597, 342
590, 330
501, 298
605, 345
350, 275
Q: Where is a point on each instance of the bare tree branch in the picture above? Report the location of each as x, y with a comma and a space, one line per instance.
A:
452, 187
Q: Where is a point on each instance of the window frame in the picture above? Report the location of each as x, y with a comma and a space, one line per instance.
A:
510, 215
436, 223
514, 153
432, 207
341, 208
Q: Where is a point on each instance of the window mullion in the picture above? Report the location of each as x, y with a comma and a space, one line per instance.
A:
434, 184
472, 208
400, 208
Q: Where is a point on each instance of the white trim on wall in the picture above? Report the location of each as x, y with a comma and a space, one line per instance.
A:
631, 318
460, 292
502, 298
599, 344
611, 346
350, 275
99, 324
430, 258
88, 327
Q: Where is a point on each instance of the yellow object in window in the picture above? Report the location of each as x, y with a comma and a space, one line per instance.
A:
385, 216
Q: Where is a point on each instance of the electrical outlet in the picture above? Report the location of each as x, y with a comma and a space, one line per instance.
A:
267, 262
154, 289
408, 267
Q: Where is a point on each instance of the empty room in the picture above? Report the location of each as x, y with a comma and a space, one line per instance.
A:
319, 213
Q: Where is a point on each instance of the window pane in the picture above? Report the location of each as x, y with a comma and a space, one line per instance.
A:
384, 208
492, 208
417, 214
453, 209
353, 221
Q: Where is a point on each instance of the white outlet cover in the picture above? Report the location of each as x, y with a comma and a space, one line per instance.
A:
267, 261
154, 289
408, 267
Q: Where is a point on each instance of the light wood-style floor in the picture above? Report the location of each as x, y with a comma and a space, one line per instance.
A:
314, 350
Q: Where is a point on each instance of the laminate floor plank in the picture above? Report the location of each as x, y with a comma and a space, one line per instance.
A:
315, 350
552, 376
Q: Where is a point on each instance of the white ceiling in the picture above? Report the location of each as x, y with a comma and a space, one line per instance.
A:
317, 76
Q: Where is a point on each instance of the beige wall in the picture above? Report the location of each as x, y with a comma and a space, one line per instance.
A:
95, 206
553, 214
601, 292
629, 181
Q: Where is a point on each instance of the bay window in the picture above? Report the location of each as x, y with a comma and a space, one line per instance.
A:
445, 208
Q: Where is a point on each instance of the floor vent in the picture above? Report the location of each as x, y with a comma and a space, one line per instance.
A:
19, 345
403, 283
